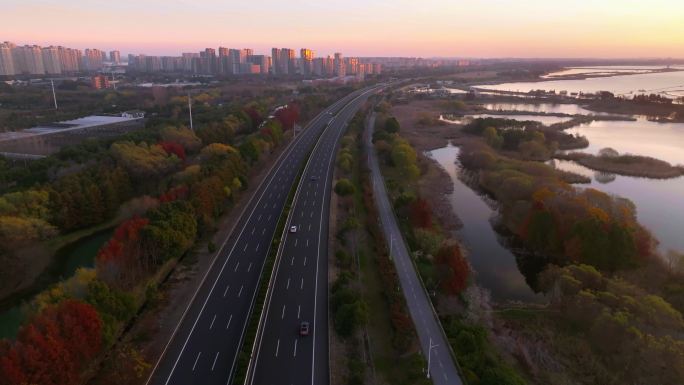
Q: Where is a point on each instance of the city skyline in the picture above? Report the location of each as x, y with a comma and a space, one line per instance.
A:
491, 28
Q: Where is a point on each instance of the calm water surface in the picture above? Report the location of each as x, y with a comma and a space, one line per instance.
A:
665, 83
495, 266
571, 109
546, 120
659, 202
663, 141
66, 261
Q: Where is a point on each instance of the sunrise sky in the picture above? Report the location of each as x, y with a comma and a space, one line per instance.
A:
463, 28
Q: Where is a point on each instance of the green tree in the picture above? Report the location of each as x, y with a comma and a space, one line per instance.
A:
392, 125
344, 187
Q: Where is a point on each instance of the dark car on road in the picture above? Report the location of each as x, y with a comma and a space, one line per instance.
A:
304, 329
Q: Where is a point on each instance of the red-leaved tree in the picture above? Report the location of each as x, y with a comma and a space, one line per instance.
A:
173, 148
174, 194
420, 213
54, 347
455, 269
119, 261
288, 116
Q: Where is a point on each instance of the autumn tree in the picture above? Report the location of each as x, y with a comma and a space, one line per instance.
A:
455, 269
54, 347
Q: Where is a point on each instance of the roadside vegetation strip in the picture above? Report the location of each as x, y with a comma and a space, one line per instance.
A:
386, 348
403, 229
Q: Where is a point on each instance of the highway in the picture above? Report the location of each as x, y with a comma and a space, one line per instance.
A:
442, 368
299, 288
205, 345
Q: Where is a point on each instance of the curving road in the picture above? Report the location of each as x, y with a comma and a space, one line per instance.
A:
205, 345
442, 368
299, 287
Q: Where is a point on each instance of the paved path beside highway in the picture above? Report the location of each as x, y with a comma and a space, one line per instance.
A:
443, 370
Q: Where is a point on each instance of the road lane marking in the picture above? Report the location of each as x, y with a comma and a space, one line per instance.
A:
309, 227
212, 322
249, 267
236, 266
295, 245
299, 309
269, 217
288, 284
304, 261
307, 242
226, 291
245, 248
301, 214
259, 219
196, 359
257, 248
214, 364
301, 286
253, 229
229, 319
295, 349
263, 231
292, 262
311, 215
282, 315
240, 292
277, 347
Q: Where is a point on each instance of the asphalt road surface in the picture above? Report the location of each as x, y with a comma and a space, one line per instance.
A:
204, 347
299, 288
442, 368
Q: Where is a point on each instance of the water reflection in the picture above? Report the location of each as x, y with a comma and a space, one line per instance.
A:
664, 83
658, 202
546, 120
496, 267
571, 109
663, 141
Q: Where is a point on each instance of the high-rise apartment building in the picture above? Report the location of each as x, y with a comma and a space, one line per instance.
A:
339, 68
115, 57
287, 62
70, 59
306, 61
263, 61
352, 65
93, 59
51, 61
275, 61
7, 59
28, 60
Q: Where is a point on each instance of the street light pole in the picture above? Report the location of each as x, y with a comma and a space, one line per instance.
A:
190, 108
430, 356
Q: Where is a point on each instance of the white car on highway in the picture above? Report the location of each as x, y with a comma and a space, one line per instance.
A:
293, 229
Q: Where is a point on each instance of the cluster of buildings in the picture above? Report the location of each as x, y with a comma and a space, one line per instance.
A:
231, 61
36, 60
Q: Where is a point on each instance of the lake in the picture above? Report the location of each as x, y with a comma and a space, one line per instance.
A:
546, 120
495, 266
602, 70
570, 109
670, 84
664, 141
66, 261
659, 202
